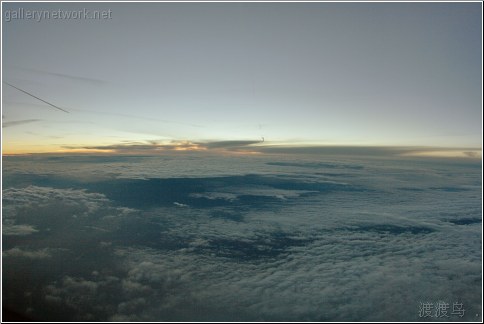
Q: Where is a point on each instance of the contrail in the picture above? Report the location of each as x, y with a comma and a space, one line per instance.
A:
36, 97
19, 122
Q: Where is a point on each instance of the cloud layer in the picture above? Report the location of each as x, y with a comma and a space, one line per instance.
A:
296, 238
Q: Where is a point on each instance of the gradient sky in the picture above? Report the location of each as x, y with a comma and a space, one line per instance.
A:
293, 73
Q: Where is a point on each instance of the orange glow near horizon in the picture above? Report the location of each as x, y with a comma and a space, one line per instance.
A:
191, 147
82, 150
188, 146
14, 148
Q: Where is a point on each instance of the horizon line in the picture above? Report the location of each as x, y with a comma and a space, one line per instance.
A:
252, 147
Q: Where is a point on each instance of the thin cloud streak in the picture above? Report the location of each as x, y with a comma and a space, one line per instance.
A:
28, 93
135, 117
19, 122
63, 75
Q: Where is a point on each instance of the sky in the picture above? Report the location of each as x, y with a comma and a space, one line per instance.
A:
186, 75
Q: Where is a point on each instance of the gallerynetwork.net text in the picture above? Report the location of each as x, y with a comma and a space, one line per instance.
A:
39, 15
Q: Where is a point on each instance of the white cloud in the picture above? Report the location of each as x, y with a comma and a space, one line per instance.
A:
30, 254
35, 196
367, 255
179, 204
21, 230
344, 274
51, 209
